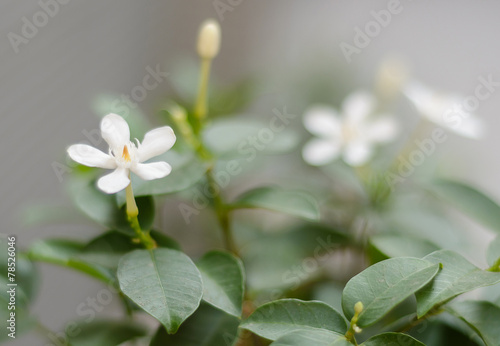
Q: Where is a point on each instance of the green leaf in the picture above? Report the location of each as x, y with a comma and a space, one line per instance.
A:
470, 201
457, 276
384, 285
163, 282
482, 316
223, 281
493, 253
103, 333
392, 339
280, 317
276, 259
97, 205
296, 203
247, 136
208, 326
319, 337
400, 245
107, 249
65, 253
103, 208
26, 273
437, 332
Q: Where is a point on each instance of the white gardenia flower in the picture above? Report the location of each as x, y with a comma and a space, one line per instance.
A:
125, 156
445, 110
352, 135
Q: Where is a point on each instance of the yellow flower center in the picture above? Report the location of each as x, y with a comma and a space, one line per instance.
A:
126, 155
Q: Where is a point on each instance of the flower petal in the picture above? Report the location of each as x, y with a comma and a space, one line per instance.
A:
153, 170
318, 152
357, 153
382, 130
470, 127
90, 156
357, 106
323, 121
115, 131
156, 142
114, 181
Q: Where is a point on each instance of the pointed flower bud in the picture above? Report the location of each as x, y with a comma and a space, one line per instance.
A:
209, 39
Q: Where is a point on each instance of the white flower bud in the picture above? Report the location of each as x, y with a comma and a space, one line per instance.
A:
209, 39
392, 75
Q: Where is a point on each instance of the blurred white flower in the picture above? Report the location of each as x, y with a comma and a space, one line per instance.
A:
124, 156
352, 135
445, 110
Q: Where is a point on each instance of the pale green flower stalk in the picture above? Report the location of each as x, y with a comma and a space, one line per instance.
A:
208, 48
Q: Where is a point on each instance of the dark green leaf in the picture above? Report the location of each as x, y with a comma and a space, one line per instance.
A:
319, 337
163, 282
482, 316
470, 201
103, 333
223, 281
206, 327
104, 209
107, 249
384, 285
280, 317
392, 339
296, 203
457, 276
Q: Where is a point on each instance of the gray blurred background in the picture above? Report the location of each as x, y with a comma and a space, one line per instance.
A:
88, 48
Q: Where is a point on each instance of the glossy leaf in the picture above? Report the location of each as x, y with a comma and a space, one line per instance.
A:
457, 276
493, 253
482, 316
470, 201
280, 317
65, 253
384, 285
296, 203
103, 333
223, 281
208, 326
319, 337
399, 245
392, 339
163, 282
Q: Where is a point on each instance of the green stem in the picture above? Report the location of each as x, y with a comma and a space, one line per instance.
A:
200, 110
222, 212
353, 328
132, 212
200, 113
